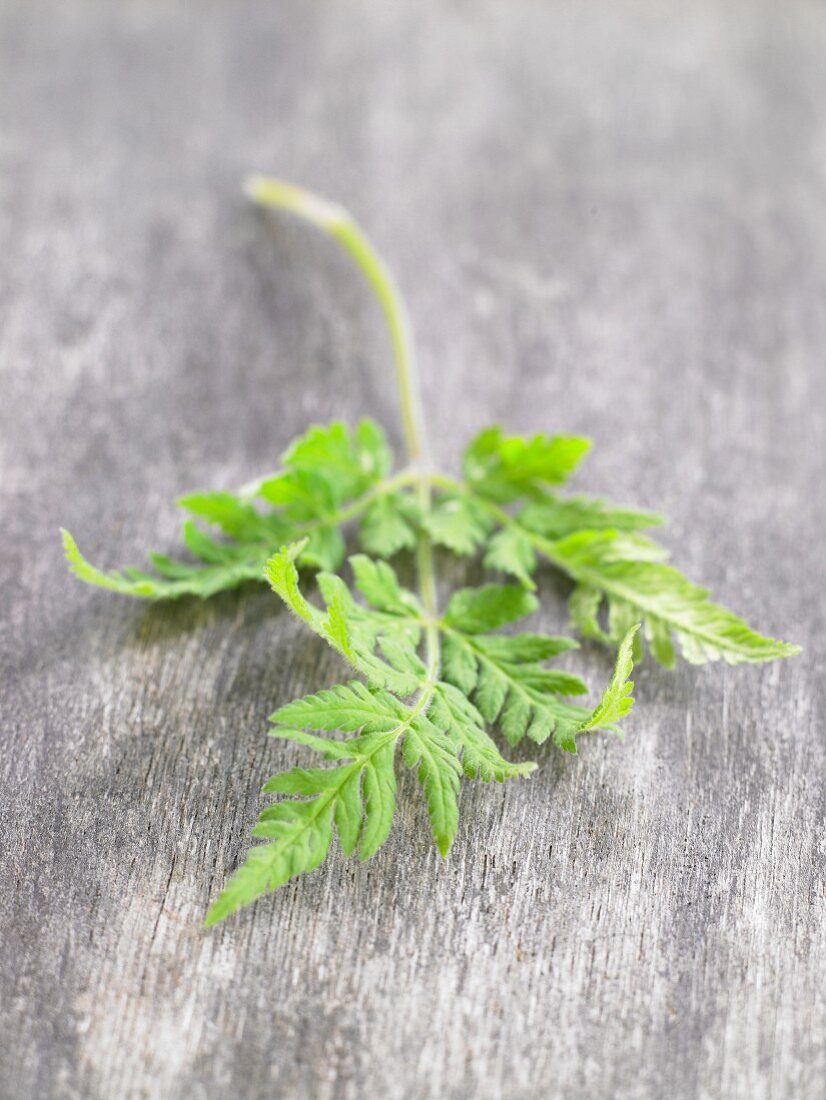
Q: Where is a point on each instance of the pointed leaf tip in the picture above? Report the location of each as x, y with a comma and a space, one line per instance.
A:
617, 700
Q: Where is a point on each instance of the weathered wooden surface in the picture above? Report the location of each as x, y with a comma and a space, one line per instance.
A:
598, 213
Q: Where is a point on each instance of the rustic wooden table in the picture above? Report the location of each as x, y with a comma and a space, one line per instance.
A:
607, 219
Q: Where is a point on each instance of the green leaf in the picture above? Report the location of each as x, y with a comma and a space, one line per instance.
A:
658, 636
380, 719
504, 468
555, 517
583, 605
520, 694
476, 610
304, 497
331, 474
346, 463
378, 583
503, 673
329, 748
305, 781
174, 579
324, 549
301, 834
617, 699
457, 523
510, 551
372, 451
459, 664
382, 647
346, 707
521, 648
433, 755
389, 525
357, 795
380, 800
454, 714
236, 517
283, 577
349, 812
638, 588
433, 684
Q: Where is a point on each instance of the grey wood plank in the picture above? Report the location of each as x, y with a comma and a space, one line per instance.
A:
607, 219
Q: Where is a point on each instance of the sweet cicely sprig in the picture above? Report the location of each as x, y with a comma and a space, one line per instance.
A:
433, 682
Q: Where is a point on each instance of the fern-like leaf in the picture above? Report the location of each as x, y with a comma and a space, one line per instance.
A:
505, 674
670, 605
616, 570
433, 687
404, 707
505, 468
328, 473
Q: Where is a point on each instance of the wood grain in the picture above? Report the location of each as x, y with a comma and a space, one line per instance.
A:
602, 215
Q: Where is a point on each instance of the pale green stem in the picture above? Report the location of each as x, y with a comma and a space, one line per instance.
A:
337, 223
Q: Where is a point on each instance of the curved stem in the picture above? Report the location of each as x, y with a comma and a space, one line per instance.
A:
337, 223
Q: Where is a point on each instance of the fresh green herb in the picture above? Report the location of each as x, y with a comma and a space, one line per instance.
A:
433, 682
